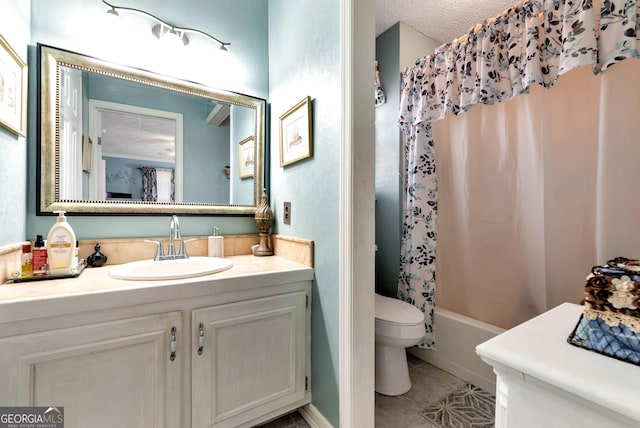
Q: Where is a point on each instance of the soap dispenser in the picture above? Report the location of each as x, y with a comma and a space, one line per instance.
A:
216, 244
61, 242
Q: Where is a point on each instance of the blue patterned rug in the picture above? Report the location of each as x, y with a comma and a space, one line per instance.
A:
467, 407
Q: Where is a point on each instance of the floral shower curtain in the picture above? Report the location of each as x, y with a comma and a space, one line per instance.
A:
149, 184
158, 184
532, 42
379, 95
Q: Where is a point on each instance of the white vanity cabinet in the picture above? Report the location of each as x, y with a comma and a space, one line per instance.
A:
249, 359
108, 374
225, 350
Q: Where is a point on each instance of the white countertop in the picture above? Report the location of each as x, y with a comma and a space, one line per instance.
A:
25, 300
539, 348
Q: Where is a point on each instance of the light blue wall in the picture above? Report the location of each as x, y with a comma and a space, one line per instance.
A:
388, 165
398, 47
14, 27
81, 26
304, 59
414, 45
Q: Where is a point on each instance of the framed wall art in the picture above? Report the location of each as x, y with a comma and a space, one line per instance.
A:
246, 157
13, 90
296, 141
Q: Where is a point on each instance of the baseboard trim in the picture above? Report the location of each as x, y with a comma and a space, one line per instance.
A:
314, 417
488, 384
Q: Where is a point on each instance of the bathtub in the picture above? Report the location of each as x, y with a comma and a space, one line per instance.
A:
456, 339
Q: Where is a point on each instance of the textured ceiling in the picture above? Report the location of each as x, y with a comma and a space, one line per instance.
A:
441, 20
136, 136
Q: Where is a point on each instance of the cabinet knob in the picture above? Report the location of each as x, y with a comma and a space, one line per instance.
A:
200, 338
172, 344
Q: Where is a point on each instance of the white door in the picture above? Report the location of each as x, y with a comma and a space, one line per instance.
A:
70, 133
112, 374
252, 360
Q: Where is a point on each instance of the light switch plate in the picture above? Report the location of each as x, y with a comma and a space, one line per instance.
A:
287, 213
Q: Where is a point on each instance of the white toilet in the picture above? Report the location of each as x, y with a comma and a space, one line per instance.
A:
398, 326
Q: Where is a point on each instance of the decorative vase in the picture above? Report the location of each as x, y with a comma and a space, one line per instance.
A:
96, 259
264, 221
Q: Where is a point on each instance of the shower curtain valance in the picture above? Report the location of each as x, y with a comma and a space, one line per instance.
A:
532, 42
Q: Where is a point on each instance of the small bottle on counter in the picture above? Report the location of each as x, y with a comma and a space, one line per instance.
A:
216, 244
26, 261
39, 256
76, 253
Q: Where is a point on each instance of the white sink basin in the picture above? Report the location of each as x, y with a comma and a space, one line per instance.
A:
149, 270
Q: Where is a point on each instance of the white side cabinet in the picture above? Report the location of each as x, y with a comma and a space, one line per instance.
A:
112, 374
249, 359
542, 381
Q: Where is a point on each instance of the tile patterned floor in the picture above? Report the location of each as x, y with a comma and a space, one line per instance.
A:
436, 400
468, 406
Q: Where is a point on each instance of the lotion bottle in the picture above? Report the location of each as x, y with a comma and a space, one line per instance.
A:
61, 243
216, 244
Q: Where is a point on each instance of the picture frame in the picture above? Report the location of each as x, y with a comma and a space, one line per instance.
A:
296, 139
13, 90
246, 157
87, 148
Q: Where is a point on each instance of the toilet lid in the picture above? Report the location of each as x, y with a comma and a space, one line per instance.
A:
397, 312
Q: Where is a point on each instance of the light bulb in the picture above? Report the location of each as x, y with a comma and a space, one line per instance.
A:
169, 36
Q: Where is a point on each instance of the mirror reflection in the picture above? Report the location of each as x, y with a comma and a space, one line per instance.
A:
125, 140
136, 155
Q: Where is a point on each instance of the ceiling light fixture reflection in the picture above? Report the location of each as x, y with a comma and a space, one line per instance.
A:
165, 31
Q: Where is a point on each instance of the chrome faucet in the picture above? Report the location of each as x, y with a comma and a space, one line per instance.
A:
174, 235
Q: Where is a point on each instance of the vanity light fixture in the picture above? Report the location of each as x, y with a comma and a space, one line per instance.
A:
165, 31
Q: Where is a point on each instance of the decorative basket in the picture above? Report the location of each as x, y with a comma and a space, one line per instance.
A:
610, 321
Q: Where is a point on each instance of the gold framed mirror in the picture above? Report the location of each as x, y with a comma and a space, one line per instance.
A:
118, 140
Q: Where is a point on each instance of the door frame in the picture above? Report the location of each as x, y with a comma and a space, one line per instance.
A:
357, 224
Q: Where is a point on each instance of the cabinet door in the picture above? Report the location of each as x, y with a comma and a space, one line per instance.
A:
252, 360
111, 374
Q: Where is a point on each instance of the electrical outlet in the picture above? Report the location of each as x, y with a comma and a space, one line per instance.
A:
287, 213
